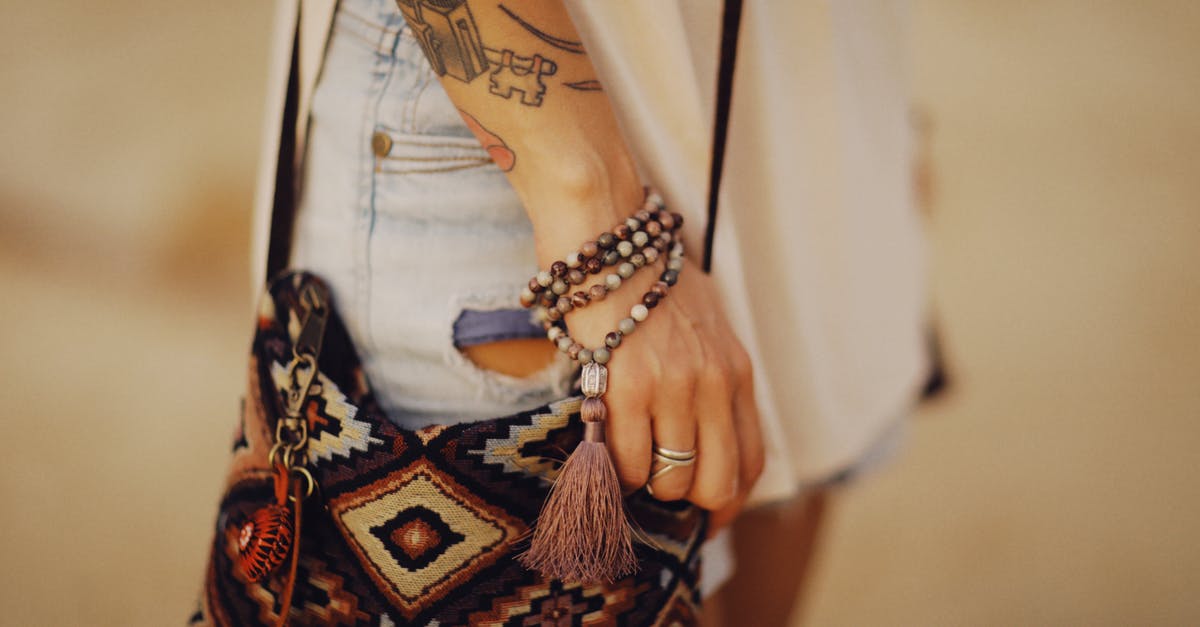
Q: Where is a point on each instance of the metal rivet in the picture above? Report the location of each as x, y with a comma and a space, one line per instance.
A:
381, 143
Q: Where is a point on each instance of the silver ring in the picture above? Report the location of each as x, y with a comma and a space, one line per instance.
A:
671, 454
670, 460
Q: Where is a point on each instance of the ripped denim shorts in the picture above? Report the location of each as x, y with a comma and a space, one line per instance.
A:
422, 240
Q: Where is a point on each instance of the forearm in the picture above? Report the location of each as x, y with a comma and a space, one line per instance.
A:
525, 87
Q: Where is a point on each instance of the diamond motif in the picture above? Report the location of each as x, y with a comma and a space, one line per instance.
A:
422, 533
416, 537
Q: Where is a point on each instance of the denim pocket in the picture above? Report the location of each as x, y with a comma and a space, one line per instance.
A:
407, 153
445, 180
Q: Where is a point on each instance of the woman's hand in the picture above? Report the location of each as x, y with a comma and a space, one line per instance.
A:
680, 381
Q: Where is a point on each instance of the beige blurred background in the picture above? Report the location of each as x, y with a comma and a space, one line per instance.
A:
1056, 485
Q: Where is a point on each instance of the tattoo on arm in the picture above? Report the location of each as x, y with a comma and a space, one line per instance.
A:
588, 85
449, 37
501, 154
523, 74
558, 42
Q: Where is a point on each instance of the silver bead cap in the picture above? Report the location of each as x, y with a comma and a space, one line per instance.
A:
593, 381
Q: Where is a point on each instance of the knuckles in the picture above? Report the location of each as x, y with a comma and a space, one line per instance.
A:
714, 497
743, 368
716, 377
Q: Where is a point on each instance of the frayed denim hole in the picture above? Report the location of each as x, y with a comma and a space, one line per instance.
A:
470, 310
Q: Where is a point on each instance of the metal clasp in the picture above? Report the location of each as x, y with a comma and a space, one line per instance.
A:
291, 429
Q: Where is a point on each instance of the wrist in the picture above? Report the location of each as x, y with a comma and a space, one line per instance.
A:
576, 199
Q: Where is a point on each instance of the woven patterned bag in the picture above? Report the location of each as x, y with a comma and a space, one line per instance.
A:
406, 527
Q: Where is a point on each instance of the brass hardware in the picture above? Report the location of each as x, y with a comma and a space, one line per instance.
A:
290, 449
311, 483
381, 144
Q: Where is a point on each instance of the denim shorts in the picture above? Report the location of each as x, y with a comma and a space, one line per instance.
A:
418, 233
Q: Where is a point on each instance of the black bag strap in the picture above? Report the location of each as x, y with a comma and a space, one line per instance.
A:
283, 208
730, 25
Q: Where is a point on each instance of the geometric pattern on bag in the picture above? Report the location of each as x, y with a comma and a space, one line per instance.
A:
422, 533
421, 527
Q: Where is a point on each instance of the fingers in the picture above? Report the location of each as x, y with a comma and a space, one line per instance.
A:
746, 422
717, 445
750, 446
716, 477
628, 428
674, 428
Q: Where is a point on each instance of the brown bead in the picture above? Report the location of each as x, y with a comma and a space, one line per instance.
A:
593, 266
659, 288
575, 276
606, 240
573, 352
534, 286
589, 249
580, 299
613, 339
611, 258
652, 228
554, 314
643, 216
623, 232
547, 298
667, 220
558, 269
564, 304
598, 292
650, 300
662, 243
651, 254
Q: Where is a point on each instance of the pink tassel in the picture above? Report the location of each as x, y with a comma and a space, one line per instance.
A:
583, 532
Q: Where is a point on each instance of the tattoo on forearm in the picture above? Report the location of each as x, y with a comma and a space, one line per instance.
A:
523, 74
588, 85
501, 154
449, 37
558, 42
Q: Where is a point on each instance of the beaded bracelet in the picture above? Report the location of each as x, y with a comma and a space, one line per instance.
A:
639, 240
557, 333
565, 304
550, 286
583, 532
